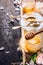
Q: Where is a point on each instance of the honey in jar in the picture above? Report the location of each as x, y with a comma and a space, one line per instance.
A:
31, 45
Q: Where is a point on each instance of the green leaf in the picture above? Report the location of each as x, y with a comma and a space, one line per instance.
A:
33, 57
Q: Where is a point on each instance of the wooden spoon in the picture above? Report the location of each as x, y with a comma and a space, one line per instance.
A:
32, 34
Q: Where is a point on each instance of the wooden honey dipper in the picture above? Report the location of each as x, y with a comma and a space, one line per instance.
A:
32, 34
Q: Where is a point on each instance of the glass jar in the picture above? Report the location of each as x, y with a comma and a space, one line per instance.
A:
29, 17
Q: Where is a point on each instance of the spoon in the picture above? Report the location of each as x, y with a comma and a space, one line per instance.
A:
32, 34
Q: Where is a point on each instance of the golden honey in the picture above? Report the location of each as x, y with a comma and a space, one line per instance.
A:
27, 10
32, 45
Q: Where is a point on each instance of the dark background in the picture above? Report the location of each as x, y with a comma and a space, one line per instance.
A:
9, 39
